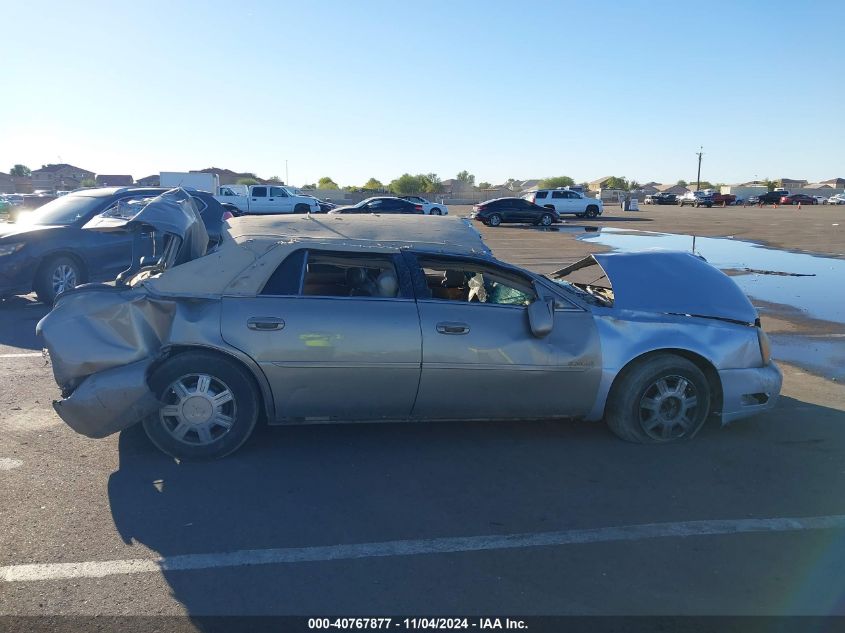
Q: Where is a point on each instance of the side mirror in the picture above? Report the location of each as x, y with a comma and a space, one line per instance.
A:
541, 317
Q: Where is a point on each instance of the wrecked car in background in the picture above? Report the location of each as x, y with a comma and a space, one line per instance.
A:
342, 318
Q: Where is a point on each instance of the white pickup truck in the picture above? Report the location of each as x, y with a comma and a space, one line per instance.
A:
266, 199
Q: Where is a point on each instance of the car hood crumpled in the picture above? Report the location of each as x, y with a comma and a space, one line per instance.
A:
669, 282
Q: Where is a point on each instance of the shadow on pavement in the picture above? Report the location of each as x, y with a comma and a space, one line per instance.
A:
18, 318
347, 484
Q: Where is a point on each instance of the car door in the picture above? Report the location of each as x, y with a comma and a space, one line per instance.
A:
279, 201
108, 253
480, 359
258, 199
562, 202
333, 339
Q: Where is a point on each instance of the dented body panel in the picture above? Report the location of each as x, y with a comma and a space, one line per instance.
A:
366, 358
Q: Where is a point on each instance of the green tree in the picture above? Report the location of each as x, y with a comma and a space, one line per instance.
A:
406, 184
616, 182
770, 184
275, 180
681, 183
373, 184
633, 185
313, 185
484, 185
248, 181
88, 182
430, 183
555, 182
20, 170
465, 176
327, 183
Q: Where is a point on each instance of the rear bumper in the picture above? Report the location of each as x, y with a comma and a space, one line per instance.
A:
747, 392
109, 401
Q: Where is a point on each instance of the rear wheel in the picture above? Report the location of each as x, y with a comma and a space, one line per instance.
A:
209, 406
661, 399
494, 220
55, 276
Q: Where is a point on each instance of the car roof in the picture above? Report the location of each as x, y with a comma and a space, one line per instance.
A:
450, 233
253, 246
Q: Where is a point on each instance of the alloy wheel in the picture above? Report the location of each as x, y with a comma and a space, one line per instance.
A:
198, 409
668, 408
63, 278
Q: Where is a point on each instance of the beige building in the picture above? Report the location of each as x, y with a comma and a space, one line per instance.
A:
7, 185
59, 177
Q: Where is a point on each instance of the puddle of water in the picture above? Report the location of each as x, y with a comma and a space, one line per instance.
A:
823, 356
821, 296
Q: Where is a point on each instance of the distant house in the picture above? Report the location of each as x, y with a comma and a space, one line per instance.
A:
649, 188
678, 190
598, 185
835, 183
227, 176
59, 177
791, 183
7, 185
114, 180
149, 181
529, 185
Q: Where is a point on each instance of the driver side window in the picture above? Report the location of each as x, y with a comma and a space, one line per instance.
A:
475, 282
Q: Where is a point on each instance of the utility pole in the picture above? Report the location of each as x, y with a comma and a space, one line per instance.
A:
287, 181
700, 153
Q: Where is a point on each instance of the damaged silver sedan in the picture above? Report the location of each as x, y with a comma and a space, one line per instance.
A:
313, 319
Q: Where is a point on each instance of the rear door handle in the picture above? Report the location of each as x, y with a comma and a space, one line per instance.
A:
265, 324
452, 328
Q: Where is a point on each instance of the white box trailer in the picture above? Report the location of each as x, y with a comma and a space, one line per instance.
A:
192, 179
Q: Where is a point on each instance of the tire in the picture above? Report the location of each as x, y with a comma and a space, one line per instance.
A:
301, 208
209, 430
56, 275
637, 412
435, 211
546, 219
494, 220
592, 211
695, 205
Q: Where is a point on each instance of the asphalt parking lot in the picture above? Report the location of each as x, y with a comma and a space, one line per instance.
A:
501, 518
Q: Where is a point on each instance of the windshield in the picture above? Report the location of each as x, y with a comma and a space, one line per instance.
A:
62, 211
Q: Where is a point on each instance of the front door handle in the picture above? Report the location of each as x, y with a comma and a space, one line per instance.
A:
265, 324
447, 327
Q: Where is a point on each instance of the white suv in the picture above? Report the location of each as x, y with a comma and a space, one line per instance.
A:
566, 201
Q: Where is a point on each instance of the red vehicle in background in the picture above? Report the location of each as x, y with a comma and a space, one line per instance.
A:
798, 198
723, 199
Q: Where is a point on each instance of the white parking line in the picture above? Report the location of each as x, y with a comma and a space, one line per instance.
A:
7, 463
23, 355
276, 556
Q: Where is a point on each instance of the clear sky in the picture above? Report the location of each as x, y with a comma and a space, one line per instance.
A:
357, 89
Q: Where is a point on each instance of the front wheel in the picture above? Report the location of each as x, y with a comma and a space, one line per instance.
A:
546, 219
494, 220
592, 211
209, 406
301, 208
54, 277
435, 211
661, 399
